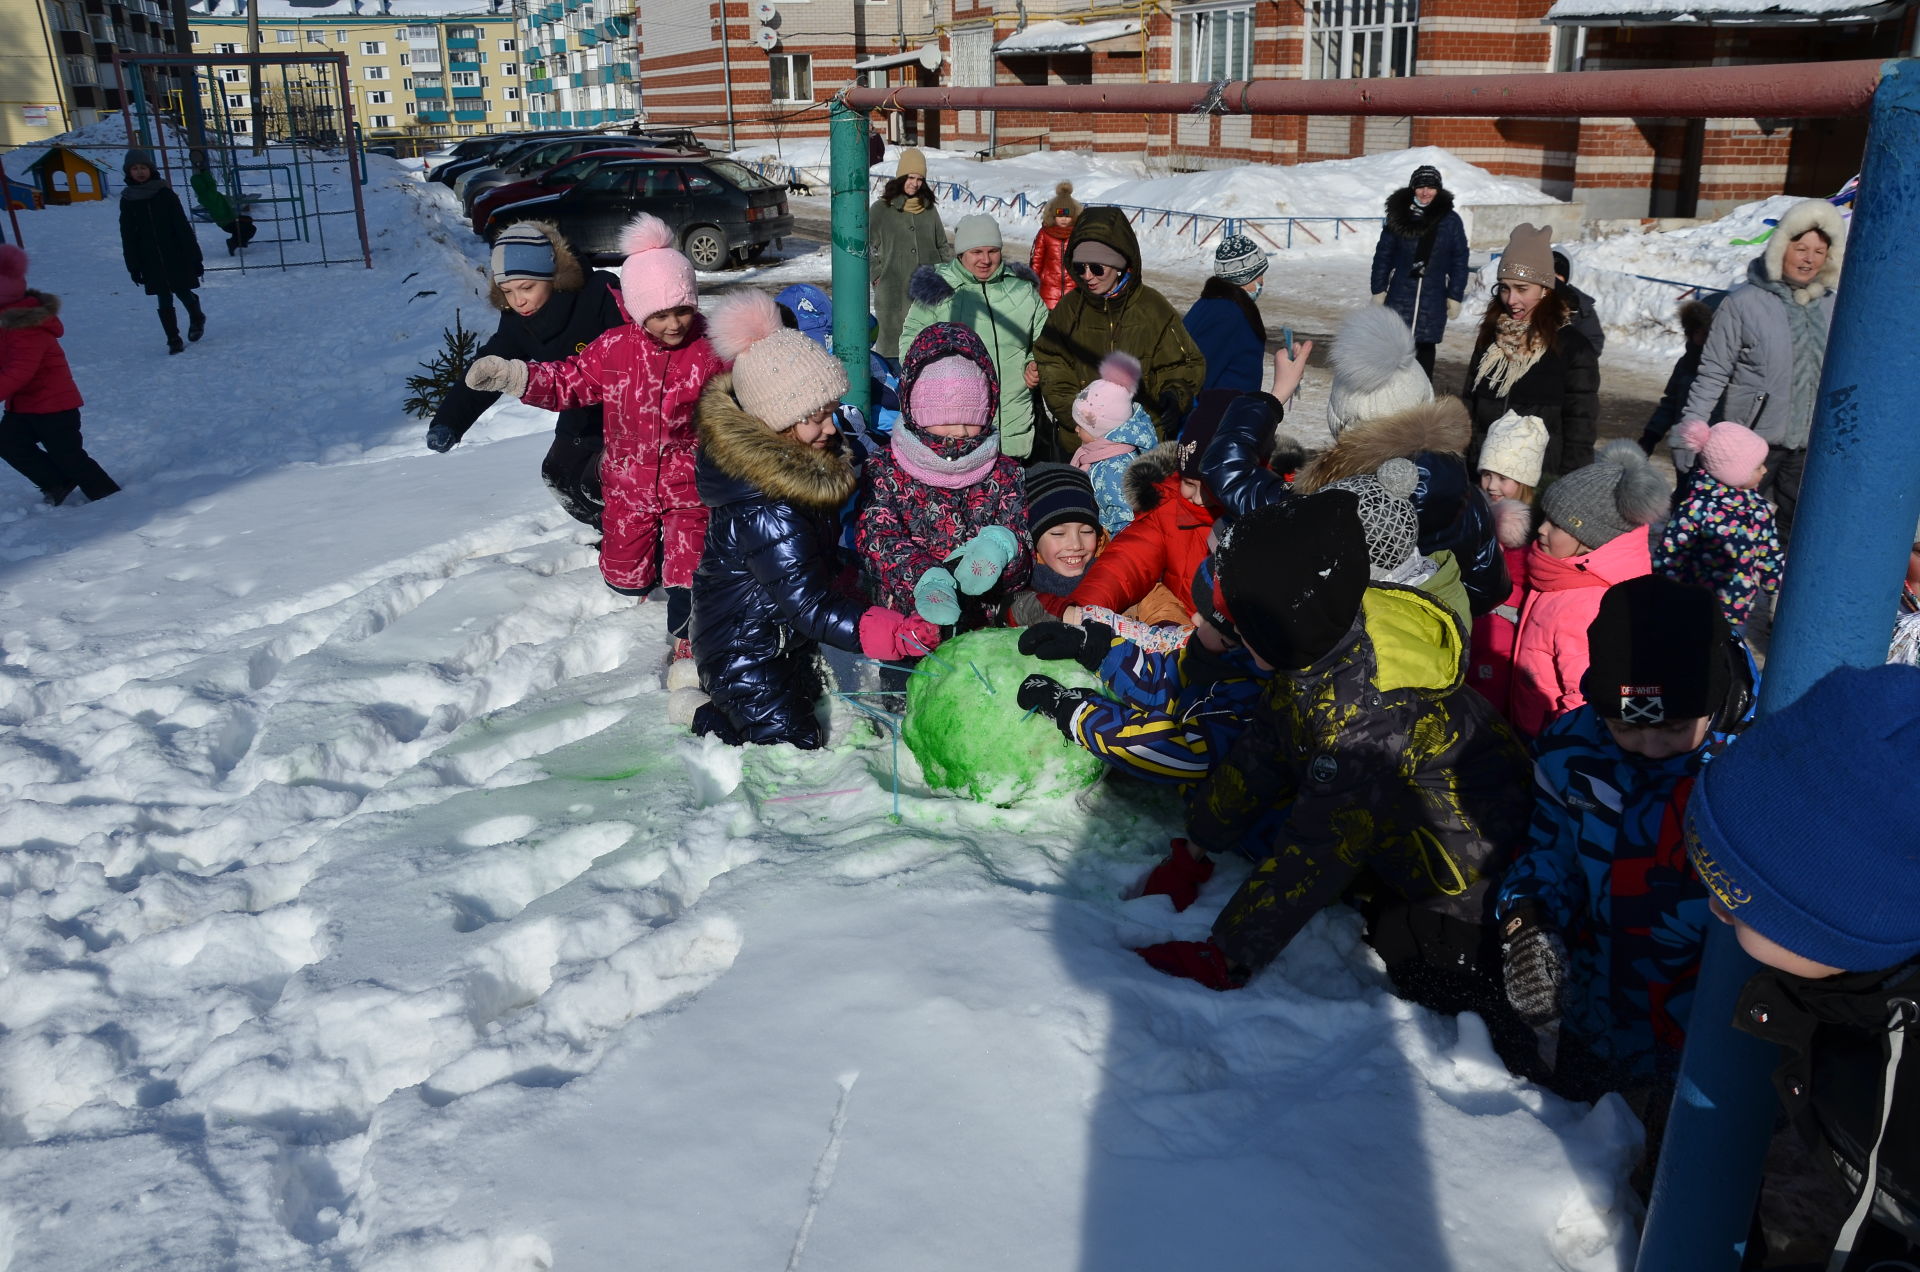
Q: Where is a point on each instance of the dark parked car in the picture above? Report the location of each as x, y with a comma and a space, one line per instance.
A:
517, 165
448, 173
552, 181
721, 210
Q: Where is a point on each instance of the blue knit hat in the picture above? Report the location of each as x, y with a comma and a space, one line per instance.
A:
1804, 828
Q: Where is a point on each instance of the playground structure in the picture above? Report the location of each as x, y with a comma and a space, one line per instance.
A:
1859, 501
304, 202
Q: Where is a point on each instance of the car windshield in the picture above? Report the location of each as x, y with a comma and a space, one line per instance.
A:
739, 175
575, 171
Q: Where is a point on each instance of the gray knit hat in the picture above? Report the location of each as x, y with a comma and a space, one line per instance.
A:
1618, 492
1387, 517
1239, 260
523, 251
978, 230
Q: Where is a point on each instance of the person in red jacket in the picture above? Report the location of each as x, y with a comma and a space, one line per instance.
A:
647, 374
40, 432
1049, 257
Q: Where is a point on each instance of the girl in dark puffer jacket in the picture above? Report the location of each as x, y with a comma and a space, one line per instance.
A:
772, 473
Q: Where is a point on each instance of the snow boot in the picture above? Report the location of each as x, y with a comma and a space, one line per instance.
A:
196, 324
176, 345
683, 705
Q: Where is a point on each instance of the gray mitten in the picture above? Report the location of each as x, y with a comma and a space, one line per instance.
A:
1535, 960
498, 375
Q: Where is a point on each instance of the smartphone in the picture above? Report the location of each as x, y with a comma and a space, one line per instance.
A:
1286, 334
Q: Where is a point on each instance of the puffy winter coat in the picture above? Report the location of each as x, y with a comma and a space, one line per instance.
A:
900, 242
1454, 515
1236, 355
1722, 538
763, 597
156, 239
1165, 543
1490, 649
1563, 599
1109, 476
1585, 317
1746, 368
1049, 261
1006, 313
1607, 866
1385, 764
646, 470
1420, 262
907, 527
585, 305
1562, 388
1084, 328
1178, 713
34, 377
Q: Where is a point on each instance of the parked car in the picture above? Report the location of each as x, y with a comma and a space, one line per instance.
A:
448, 174
518, 165
721, 210
552, 181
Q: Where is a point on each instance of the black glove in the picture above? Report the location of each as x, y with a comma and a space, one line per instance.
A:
1044, 693
1086, 644
441, 437
1535, 961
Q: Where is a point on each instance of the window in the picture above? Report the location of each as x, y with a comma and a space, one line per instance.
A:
509, 68
973, 58
285, 37
380, 99
341, 37
233, 74
80, 70
1214, 44
406, 59
427, 81
193, 36
419, 33
316, 37
406, 85
463, 33
1569, 47
510, 94
401, 34
509, 46
412, 108
382, 121
465, 130
791, 75
236, 101
226, 48
465, 79
374, 72
1361, 39
240, 126
513, 116
373, 48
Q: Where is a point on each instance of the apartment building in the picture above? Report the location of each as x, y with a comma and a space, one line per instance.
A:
56, 61
433, 68
580, 63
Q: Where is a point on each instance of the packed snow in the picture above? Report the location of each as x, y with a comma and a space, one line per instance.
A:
361, 910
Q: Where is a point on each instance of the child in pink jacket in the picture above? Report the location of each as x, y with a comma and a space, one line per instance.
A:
1595, 535
648, 375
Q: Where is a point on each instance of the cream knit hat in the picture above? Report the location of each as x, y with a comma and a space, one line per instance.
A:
779, 376
1515, 446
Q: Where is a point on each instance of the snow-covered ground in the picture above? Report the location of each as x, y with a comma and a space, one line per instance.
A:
359, 909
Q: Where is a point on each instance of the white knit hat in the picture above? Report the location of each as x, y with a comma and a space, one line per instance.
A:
1375, 371
779, 376
1515, 447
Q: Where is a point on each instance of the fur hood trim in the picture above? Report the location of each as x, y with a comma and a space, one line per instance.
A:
1512, 523
1144, 475
929, 284
776, 464
1442, 426
19, 317
1813, 214
568, 274
1402, 221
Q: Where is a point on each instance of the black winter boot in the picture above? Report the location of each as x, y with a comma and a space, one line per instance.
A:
196, 326
176, 345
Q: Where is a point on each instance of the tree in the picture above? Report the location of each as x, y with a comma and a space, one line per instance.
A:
443, 371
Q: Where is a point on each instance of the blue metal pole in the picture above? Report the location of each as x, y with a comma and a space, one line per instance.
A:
852, 341
1855, 525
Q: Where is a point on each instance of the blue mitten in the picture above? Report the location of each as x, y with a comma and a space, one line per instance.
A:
978, 563
936, 598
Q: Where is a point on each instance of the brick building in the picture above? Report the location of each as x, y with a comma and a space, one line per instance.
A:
1618, 167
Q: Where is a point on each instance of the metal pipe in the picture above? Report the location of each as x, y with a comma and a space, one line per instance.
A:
852, 339
1855, 525
726, 72
1813, 91
349, 127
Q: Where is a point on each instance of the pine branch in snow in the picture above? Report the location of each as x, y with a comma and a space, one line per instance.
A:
443, 371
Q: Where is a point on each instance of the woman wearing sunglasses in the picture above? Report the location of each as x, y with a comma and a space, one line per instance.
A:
1111, 309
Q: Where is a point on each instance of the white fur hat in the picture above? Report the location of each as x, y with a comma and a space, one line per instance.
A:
1375, 372
1515, 446
1813, 214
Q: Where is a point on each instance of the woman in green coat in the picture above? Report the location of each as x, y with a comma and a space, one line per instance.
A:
904, 232
999, 301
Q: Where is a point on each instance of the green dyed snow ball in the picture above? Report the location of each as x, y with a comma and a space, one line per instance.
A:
981, 743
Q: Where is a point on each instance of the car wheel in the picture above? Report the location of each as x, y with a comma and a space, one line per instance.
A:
706, 247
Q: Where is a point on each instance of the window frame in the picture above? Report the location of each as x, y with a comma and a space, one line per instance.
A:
790, 59
1365, 42
1194, 41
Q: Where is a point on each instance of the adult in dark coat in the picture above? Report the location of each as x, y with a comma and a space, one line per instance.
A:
1420, 262
543, 324
158, 242
1580, 307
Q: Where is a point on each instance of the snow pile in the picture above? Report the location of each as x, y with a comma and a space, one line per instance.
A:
104, 142
363, 911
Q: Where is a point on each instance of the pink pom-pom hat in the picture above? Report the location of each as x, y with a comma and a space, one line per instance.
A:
655, 277
779, 376
1729, 451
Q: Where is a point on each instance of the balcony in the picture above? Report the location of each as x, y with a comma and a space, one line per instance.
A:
435, 94
616, 73
557, 47
462, 44
469, 116
618, 27
468, 92
579, 79
540, 86
589, 38
432, 116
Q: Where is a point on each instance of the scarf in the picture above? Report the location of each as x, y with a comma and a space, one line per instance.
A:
1510, 356
1095, 447
141, 190
1048, 582
913, 203
948, 472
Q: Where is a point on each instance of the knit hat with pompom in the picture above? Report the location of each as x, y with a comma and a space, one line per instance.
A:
1618, 492
1730, 451
1107, 403
1376, 371
13, 274
1387, 517
779, 376
655, 277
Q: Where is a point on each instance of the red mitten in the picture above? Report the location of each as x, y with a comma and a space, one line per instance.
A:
886, 635
1201, 961
1179, 877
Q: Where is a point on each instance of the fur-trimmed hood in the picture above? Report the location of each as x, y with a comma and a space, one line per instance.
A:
34, 309
1144, 475
1442, 426
1400, 215
1813, 214
932, 284
777, 465
568, 273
